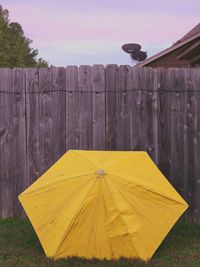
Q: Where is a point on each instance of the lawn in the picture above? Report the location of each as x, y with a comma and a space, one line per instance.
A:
19, 247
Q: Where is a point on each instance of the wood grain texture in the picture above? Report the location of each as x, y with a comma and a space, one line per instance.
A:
45, 120
133, 103
151, 86
164, 121
19, 137
32, 125
190, 143
177, 172
58, 86
139, 121
196, 73
72, 108
6, 145
85, 108
2, 137
112, 87
123, 114
98, 106
3, 134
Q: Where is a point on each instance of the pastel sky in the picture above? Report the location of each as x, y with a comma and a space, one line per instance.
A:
77, 32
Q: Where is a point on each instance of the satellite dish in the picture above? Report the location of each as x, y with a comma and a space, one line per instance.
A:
135, 52
139, 55
128, 48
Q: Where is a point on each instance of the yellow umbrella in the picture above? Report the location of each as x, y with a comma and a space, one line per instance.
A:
103, 204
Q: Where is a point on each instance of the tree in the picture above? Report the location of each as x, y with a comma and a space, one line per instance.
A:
15, 50
4, 56
42, 63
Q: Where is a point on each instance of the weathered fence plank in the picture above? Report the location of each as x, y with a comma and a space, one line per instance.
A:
197, 96
151, 86
139, 121
2, 137
189, 189
32, 124
123, 121
98, 106
58, 86
72, 108
112, 84
45, 120
85, 108
133, 112
6, 144
177, 172
164, 121
19, 136
190, 144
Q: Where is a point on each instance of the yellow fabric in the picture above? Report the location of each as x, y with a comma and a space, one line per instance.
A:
103, 204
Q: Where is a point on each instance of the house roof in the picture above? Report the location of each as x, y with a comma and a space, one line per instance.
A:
190, 36
191, 33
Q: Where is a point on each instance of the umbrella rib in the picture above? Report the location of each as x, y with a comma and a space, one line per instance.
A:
55, 182
73, 219
119, 211
149, 189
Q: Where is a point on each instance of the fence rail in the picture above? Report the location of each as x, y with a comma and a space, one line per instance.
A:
46, 111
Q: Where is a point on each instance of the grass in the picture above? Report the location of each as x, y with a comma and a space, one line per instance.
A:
19, 247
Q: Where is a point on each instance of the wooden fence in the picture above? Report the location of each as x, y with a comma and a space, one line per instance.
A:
44, 112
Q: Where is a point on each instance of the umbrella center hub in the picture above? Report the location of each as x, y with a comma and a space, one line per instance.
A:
101, 173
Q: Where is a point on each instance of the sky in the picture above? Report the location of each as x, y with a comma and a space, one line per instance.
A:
78, 32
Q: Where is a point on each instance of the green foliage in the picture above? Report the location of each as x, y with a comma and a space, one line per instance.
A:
42, 63
15, 50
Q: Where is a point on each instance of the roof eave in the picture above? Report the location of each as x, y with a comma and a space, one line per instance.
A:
167, 51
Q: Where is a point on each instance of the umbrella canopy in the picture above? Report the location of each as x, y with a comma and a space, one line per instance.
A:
103, 204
